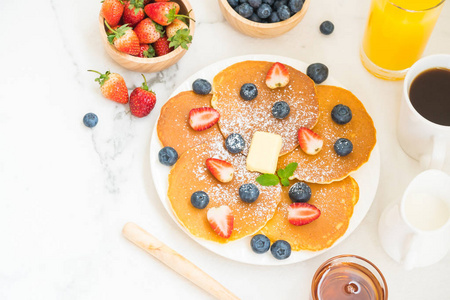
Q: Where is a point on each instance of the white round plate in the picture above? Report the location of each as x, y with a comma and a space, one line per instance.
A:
367, 177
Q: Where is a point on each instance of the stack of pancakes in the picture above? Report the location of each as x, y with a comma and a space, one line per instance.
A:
334, 192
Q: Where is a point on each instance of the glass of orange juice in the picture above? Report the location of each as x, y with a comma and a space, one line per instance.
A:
396, 34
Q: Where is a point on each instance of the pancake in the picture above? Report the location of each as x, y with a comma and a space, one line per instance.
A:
173, 123
190, 174
335, 202
327, 166
246, 117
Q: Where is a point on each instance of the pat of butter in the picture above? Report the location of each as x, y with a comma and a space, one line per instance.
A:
264, 150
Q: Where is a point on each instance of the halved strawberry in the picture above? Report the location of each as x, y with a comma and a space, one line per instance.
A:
301, 213
278, 76
221, 220
222, 170
203, 118
310, 142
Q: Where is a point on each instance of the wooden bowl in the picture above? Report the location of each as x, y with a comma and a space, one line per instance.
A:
261, 30
153, 64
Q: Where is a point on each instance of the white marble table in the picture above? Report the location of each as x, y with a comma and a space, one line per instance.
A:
66, 190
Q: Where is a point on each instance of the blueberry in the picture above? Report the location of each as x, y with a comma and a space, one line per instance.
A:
249, 91
248, 192
201, 86
343, 147
300, 192
264, 11
233, 3
284, 12
243, 1
260, 243
295, 5
281, 249
168, 156
341, 114
199, 199
317, 72
245, 10
326, 27
280, 110
273, 18
255, 3
234, 143
255, 18
270, 2
279, 3
90, 120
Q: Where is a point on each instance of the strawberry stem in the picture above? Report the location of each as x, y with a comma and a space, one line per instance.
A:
179, 17
109, 27
103, 77
144, 84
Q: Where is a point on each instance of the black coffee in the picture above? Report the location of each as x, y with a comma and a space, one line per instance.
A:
430, 95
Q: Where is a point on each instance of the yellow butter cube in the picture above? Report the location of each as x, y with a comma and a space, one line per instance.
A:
264, 150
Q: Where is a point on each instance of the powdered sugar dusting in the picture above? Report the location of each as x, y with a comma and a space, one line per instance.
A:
246, 117
327, 166
249, 218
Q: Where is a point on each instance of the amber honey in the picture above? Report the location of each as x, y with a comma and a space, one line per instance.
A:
348, 278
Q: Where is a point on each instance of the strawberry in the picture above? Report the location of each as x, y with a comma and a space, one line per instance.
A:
310, 142
133, 12
203, 118
278, 76
113, 86
221, 220
162, 13
222, 170
148, 31
162, 46
112, 11
124, 39
301, 213
146, 51
173, 27
142, 101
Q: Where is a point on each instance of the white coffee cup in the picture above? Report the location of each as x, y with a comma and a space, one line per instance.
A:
416, 232
420, 138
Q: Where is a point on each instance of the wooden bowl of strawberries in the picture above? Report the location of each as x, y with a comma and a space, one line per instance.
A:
146, 36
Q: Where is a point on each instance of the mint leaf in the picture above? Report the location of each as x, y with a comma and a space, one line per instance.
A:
267, 179
285, 181
281, 173
290, 169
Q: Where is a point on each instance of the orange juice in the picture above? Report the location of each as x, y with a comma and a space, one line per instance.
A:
397, 32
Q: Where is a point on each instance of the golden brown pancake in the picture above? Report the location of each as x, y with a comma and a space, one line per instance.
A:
335, 202
190, 174
173, 123
246, 117
327, 166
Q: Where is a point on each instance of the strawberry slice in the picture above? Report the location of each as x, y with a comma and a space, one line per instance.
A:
222, 170
278, 76
203, 118
310, 142
221, 220
301, 213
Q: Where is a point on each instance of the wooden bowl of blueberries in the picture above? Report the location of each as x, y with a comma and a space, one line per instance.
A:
264, 18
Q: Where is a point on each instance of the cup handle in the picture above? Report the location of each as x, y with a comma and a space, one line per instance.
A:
410, 255
437, 158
